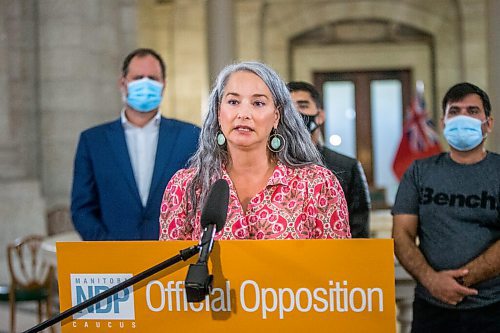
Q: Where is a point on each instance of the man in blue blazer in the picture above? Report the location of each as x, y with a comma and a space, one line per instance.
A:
122, 167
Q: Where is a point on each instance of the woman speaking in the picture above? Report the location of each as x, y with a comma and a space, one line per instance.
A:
254, 139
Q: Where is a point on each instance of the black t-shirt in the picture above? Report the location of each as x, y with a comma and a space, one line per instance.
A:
458, 206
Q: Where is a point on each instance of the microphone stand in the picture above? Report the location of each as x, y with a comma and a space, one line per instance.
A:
198, 282
184, 255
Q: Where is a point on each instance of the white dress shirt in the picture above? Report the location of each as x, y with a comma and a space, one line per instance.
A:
142, 143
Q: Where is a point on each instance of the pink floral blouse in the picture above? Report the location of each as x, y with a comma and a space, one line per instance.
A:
296, 203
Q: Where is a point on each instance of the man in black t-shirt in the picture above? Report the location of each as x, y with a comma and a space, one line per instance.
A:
451, 202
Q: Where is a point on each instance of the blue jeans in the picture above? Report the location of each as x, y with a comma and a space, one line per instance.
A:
429, 318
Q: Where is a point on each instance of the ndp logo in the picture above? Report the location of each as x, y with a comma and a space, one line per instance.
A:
117, 306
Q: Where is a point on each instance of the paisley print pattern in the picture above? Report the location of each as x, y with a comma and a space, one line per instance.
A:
297, 203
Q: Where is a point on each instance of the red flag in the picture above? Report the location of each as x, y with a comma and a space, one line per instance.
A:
419, 138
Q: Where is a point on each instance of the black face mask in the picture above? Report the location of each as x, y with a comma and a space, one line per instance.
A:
310, 122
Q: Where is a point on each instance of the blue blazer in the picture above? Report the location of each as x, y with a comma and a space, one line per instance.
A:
105, 200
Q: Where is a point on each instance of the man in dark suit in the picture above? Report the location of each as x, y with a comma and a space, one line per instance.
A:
348, 170
122, 167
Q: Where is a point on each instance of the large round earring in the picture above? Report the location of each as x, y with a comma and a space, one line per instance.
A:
276, 142
221, 139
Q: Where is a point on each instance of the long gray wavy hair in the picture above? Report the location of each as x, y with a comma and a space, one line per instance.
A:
299, 149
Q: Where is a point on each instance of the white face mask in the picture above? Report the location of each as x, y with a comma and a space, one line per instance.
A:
464, 133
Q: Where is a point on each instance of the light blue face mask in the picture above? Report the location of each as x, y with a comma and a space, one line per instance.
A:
463, 133
144, 95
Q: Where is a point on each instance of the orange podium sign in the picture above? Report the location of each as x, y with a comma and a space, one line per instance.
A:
259, 286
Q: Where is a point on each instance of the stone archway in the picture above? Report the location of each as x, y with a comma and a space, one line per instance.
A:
442, 23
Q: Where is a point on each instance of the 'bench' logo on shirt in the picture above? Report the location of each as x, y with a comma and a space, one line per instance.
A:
117, 306
484, 200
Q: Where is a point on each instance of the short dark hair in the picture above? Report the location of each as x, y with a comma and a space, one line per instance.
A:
460, 90
142, 52
304, 86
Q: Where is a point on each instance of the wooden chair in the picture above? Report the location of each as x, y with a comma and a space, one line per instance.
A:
30, 277
59, 220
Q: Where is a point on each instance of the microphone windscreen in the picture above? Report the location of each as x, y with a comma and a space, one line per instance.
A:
216, 204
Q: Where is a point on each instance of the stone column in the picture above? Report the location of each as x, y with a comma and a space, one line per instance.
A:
220, 35
493, 141
475, 48
18, 111
4, 79
22, 209
187, 67
81, 49
249, 29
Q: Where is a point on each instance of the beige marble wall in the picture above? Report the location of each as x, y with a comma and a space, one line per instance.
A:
264, 30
